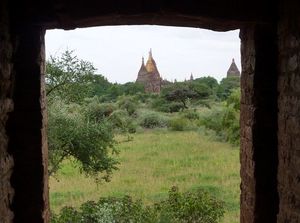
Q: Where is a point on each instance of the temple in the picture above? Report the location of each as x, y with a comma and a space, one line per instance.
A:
149, 76
233, 71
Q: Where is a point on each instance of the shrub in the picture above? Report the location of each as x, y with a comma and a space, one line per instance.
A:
190, 207
120, 120
153, 120
67, 214
96, 111
231, 125
213, 119
178, 124
162, 105
191, 114
175, 107
107, 210
225, 120
128, 103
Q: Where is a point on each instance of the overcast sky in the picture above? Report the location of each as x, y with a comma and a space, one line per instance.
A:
116, 51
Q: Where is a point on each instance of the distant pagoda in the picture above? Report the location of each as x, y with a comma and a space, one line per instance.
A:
149, 76
233, 71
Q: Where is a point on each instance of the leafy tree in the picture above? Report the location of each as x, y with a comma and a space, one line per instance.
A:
72, 135
235, 99
211, 82
181, 95
114, 92
131, 88
73, 131
128, 103
100, 85
225, 119
182, 92
202, 90
69, 77
226, 86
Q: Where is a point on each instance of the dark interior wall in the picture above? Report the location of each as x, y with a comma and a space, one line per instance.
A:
259, 197
211, 14
26, 125
289, 112
23, 141
270, 109
6, 105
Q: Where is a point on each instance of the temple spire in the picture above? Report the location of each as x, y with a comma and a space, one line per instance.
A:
191, 77
150, 54
233, 70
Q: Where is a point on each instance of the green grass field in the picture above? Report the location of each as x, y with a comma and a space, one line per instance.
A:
153, 162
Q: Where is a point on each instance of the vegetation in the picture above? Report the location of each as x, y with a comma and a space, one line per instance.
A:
151, 164
72, 135
194, 206
168, 140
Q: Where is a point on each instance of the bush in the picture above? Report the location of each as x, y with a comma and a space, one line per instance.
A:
97, 111
224, 120
107, 210
213, 119
153, 120
128, 103
232, 125
120, 120
191, 114
178, 124
175, 107
190, 207
160, 104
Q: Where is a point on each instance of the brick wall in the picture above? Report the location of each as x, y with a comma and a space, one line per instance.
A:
26, 126
289, 112
6, 105
258, 154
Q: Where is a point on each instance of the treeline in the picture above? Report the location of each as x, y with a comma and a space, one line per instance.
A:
75, 80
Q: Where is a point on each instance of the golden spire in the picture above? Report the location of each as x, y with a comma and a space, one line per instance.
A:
151, 65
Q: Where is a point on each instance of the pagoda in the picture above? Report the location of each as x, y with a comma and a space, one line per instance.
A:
149, 76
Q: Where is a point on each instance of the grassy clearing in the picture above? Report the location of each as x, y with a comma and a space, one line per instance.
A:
152, 163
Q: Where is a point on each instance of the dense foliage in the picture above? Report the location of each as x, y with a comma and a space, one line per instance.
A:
224, 120
72, 134
195, 206
85, 111
73, 131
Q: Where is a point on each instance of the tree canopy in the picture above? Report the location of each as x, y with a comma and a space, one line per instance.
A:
72, 133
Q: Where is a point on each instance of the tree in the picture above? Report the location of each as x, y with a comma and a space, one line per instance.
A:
201, 90
226, 86
211, 82
100, 85
88, 142
72, 132
69, 77
131, 88
178, 92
